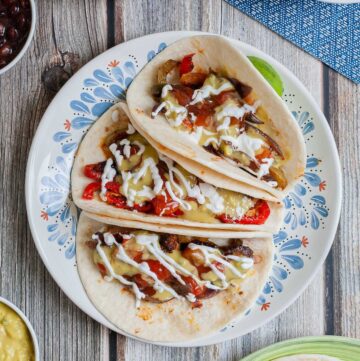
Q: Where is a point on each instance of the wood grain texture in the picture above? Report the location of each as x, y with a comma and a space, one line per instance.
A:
69, 33
64, 332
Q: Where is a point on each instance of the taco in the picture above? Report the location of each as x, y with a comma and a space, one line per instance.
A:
167, 287
118, 174
203, 99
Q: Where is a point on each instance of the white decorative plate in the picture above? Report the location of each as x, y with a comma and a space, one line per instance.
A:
312, 208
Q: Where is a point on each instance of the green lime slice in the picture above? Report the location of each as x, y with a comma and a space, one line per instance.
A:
345, 349
269, 73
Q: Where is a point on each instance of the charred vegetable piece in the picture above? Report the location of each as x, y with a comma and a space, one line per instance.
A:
237, 248
169, 242
243, 89
165, 69
193, 79
250, 117
94, 171
165, 206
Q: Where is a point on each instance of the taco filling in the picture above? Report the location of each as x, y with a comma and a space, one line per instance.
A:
160, 267
136, 177
222, 115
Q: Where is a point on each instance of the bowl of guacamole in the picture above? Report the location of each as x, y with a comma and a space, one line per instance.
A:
18, 341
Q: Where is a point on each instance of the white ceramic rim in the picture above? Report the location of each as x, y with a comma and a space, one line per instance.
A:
333, 227
27, 323
28, 40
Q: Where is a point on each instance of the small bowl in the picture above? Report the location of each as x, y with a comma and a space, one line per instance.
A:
27, 323
28, 40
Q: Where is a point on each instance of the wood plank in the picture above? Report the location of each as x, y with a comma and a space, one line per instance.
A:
219, 17
344, 114
78, 27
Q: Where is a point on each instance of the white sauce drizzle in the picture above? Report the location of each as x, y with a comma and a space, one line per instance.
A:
117, 154
216, 204
107, 176
130, 129
244, 143
265, 165
207, 90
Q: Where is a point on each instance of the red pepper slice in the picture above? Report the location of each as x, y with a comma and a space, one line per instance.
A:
116, 200
143, 285
194, 287
186, 64
102, 269
256, 215
161, 272
113, 187
224, 96
183, 94
91, 189
94, 171
165, 206
146, 207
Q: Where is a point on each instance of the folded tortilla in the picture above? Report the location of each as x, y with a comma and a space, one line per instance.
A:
175, 320
90, 151
215, 53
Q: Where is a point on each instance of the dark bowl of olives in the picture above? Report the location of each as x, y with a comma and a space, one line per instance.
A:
17, 26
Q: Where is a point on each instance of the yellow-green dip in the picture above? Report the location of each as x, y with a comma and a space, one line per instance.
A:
15, 340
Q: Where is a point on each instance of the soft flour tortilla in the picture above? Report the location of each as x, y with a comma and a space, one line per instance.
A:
174, 320
217, 53
90, 152
307, 358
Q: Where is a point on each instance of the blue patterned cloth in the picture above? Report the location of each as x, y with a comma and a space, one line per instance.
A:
329, 32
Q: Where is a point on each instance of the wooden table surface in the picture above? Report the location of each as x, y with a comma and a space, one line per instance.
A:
71, 32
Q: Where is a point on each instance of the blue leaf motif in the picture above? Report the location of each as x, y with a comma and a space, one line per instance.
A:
130, 68
300, 189
267, 288
279, 237
79, 106
53, 209
294, 261
298, 202
322, 211
319, 199
62, 181
90, 82
128, 81
103, 93
65, 214
302, 219
315, 223
101, 76
261, 300
70, 252
279, 273
277, 284
294, 223
150, 55
100, 108
117, 91
48, 182
309, 127
312, 178
52, 227
81, 122
303, 117
73, 226
312, 162
287, 218
287, 202
51, 197
162, 46
60, 136
295, 114
68, 148
60, 162
88, 98
291, 245
54, 236
62, 239
118, 75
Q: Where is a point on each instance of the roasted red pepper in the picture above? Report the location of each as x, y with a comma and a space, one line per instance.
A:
94, 171
256, 215
113, 187
186, 64
161, 272
102, 269
146, 207
91, 189
194, 287
116, 200
165, 206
